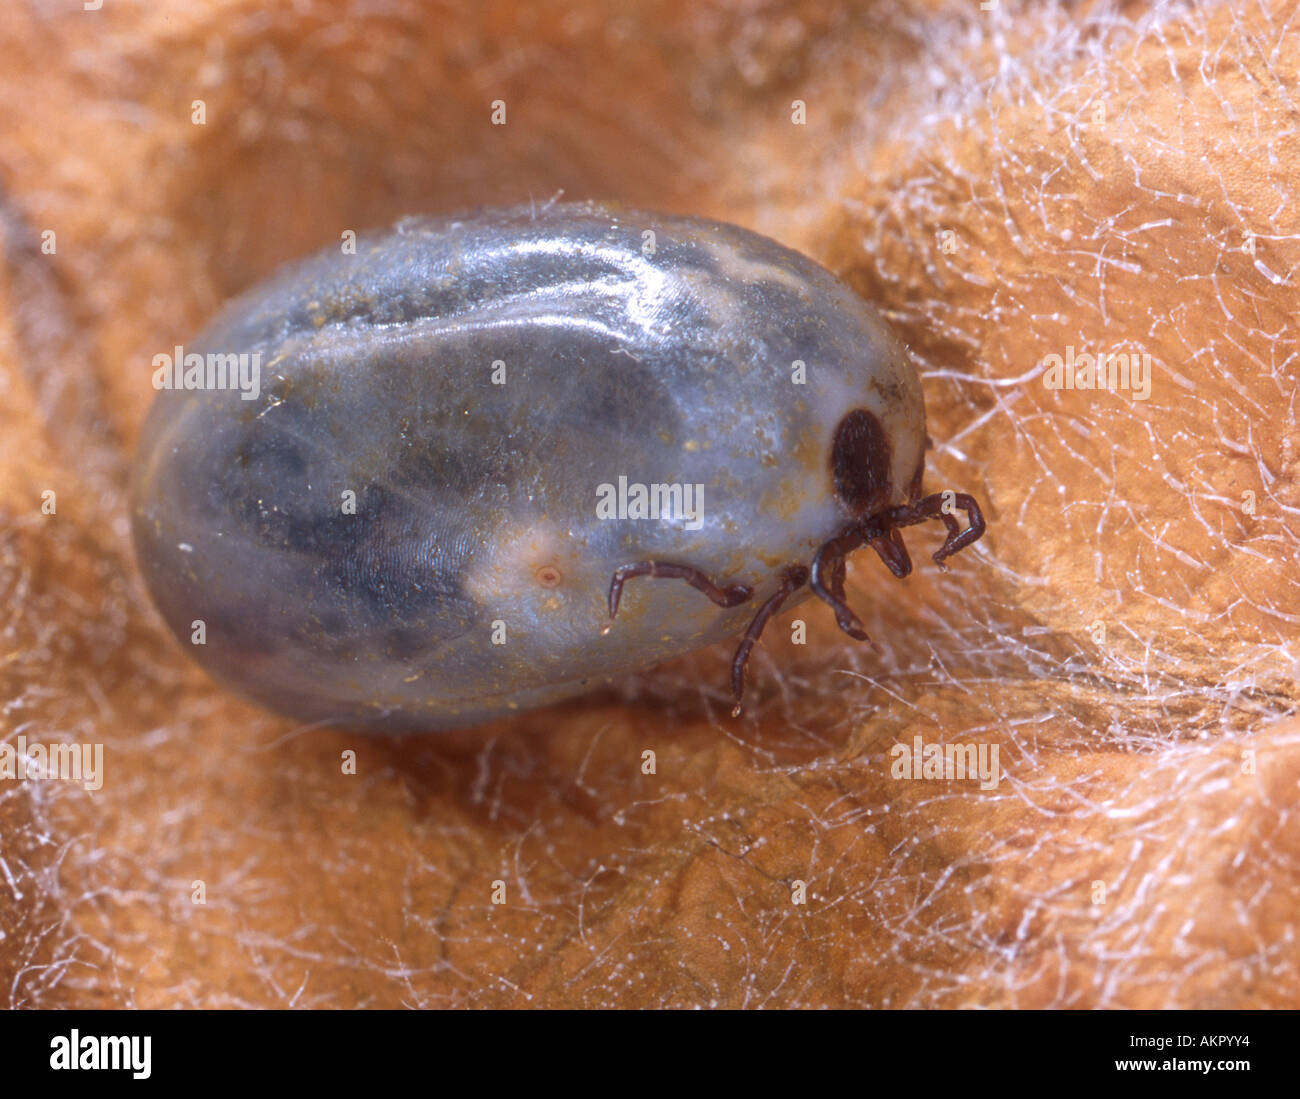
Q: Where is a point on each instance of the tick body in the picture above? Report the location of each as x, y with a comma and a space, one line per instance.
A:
495, 461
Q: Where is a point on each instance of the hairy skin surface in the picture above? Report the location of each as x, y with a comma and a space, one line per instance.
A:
1005, 185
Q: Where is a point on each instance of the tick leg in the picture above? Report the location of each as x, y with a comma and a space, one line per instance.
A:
731, 596
792, 579
892, 552
838, 575
830, 560
931, 507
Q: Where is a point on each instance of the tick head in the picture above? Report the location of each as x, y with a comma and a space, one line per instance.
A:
862, 472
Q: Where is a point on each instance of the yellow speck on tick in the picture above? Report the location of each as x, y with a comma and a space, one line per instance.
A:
692, 445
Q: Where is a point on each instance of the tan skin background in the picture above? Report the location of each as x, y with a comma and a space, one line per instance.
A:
1101, 169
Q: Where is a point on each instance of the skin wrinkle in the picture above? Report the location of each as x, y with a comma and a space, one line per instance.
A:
1123, 758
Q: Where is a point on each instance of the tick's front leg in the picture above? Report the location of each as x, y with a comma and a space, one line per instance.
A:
931, 507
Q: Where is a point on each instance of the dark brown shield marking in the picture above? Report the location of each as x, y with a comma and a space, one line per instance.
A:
860, 462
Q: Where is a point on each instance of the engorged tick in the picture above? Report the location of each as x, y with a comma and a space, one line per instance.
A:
469, 436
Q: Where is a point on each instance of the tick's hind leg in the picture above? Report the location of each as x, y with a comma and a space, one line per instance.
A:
931, 507
731, 596
792, 579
